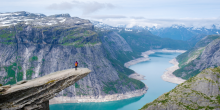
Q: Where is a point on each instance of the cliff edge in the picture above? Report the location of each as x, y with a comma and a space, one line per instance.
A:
36, 93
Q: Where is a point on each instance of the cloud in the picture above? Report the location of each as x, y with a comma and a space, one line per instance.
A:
134, 17
61, 6
103, 17
86, 7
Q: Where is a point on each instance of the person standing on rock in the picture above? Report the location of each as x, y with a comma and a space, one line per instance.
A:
76, 65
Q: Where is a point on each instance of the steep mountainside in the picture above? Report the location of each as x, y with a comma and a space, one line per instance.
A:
205, 54
200, 92
35, 46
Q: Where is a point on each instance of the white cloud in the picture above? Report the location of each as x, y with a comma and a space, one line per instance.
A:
135, 17
61, 6
103, 17
86, 7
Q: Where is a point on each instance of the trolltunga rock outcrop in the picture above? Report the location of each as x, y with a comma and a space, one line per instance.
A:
35, 94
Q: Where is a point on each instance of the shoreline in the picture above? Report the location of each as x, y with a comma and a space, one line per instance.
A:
102, 98
168, 75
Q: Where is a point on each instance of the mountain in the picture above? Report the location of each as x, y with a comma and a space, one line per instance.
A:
144, 40
34, 45
199, 92
204, 54
181, 32
176, 32
141, 39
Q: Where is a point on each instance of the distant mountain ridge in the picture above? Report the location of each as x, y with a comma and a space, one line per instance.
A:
177, 32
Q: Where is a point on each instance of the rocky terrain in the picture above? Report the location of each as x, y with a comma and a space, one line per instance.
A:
199, 92
204, 54
35, 94
43, 44
34, 45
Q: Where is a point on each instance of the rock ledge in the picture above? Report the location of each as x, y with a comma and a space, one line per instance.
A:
36, 93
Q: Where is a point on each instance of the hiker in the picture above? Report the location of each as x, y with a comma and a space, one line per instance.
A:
76, 64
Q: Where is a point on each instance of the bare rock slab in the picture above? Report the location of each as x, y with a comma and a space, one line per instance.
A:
35, 93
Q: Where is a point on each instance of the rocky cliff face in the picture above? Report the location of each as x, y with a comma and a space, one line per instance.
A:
36, 46
200, 92
205, 54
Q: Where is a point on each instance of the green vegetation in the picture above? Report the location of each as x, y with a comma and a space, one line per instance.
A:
138, 84
19, 27
40, 74
184, 69
218, 99
8, 43
11, 73
77, 85
189, 55
20, 76
65, 94
7, 36
29, 73
1, 85
34, 58
79, 38
123, 81
110, 86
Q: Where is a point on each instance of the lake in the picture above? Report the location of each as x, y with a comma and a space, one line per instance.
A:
152, 69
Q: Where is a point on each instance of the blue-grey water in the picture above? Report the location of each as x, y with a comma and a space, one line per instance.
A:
152, 69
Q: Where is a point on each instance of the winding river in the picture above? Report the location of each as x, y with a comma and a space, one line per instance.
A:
152, 69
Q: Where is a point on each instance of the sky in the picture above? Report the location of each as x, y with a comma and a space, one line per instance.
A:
159, 13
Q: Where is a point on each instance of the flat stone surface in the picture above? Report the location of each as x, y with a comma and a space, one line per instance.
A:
32, 94
45, 79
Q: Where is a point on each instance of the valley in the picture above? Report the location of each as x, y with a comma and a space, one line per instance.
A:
120, 58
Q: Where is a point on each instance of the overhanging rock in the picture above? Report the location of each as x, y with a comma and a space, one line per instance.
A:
36, 93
